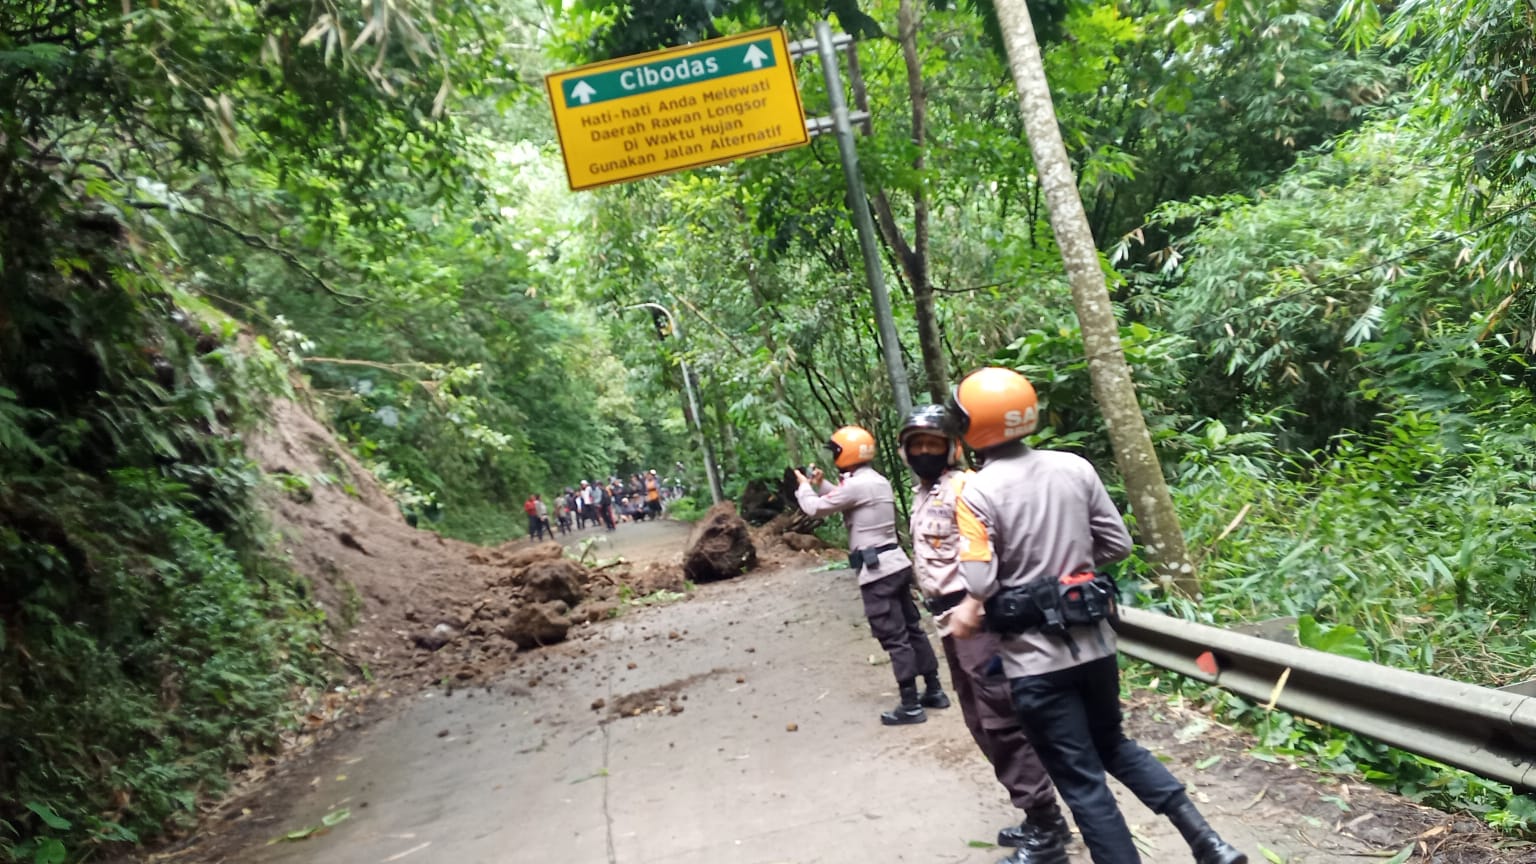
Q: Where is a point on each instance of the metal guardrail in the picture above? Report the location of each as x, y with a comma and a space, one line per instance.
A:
1488, 732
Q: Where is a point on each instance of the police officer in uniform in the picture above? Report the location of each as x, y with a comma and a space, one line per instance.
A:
979, 684
1035, 525
865, 499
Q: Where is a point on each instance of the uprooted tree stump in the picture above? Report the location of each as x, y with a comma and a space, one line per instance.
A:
720, 546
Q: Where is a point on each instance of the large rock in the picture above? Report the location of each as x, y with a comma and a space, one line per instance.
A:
561, 579
538, 624
720, 546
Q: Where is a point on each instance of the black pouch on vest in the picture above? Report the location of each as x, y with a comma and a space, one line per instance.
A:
1012, 610
1088, 598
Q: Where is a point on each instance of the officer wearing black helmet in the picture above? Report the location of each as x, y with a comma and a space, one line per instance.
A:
977, 678
1035, 526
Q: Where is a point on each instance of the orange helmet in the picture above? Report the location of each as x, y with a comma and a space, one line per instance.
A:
851, 446
993, 406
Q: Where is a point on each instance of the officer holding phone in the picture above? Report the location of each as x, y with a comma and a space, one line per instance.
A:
868, 505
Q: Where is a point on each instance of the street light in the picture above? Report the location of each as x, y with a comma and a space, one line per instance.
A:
710, 471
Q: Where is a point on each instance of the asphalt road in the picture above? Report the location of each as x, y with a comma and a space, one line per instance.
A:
756, 742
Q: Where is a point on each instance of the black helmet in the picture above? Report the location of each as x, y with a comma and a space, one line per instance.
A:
928, 420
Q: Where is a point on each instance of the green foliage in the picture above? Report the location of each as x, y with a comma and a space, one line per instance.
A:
685, 509
149, 643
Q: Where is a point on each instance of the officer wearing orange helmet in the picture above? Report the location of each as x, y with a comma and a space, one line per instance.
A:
865, 499
1034, 526
933, 454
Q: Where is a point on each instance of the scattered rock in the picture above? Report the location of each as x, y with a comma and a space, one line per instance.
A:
598, 704
432, 640
792, 727
720, 546
740, 680
442, 733
630, 666
674, 635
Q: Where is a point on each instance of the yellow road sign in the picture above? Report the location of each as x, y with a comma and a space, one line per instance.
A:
702, 104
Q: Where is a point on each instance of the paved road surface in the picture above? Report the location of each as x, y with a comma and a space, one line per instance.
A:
529, 773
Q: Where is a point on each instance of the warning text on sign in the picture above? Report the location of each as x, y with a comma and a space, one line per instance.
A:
682, 108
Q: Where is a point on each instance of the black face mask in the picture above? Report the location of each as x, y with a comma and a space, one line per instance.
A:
928, 466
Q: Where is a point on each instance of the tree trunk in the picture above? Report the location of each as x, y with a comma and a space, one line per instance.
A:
1112, 387
914, 257
727, 433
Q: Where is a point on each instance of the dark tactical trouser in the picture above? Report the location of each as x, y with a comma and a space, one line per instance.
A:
895, 622
986, 704
1072, 717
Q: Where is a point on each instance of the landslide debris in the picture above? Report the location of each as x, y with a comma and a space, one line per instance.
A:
407, 606
720, 546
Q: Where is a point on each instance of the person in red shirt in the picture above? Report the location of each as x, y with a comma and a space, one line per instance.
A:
535, 524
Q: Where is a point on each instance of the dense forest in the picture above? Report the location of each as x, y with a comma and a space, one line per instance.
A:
1314, 218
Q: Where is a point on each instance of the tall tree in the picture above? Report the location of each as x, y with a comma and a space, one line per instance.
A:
1111, 375
914, 255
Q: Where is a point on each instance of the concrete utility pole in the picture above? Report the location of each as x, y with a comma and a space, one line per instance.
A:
715, 492
859, 204
1156, 519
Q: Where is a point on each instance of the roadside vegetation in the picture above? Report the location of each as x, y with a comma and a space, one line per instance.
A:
1316, 218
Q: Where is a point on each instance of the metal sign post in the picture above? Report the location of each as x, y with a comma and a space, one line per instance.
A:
842, 125
713, 473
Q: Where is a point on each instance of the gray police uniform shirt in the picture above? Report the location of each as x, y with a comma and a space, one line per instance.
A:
868, 505
1039, 514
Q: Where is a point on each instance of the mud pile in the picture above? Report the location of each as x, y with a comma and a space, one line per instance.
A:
405, 605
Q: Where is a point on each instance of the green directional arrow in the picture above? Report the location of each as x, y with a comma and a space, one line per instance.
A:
665, 73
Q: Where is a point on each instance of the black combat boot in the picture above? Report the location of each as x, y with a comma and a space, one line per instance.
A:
1204, 842
909, 711
1034, 846
933, 692
1045, 819
1048, 818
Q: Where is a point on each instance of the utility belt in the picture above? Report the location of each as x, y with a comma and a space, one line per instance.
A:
937, 606
869, 556
1054, 607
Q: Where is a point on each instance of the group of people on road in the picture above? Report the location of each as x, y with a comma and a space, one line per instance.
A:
608, 503
1010, 560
